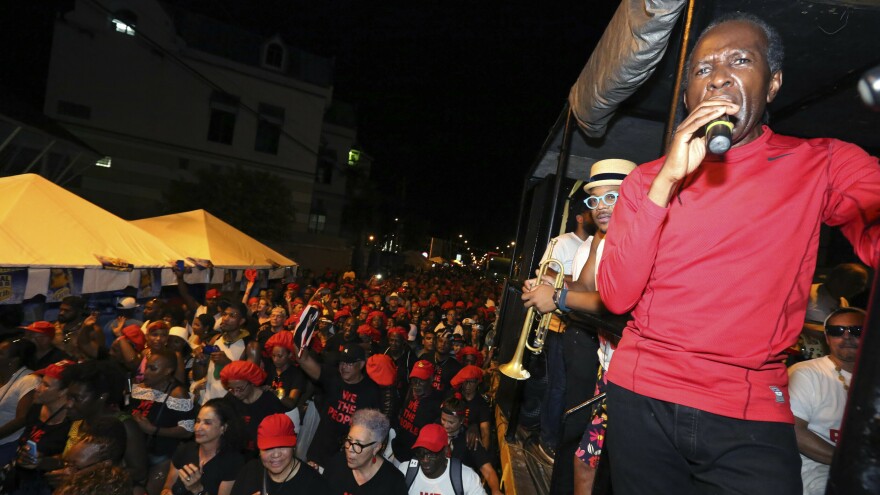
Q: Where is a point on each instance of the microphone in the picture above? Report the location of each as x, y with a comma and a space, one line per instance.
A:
718, 135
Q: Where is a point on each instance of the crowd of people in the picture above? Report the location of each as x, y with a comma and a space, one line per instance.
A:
326, 384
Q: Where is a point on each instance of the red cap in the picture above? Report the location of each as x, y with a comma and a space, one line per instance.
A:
136, 336
276, 431
54, 370
447, 306
432, 437
253, 300
42, 328
381, 368
212, 294
459, 304
293, 286
422, 369
243, 370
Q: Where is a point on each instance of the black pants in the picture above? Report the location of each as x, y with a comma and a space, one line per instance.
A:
581, 364
661, 447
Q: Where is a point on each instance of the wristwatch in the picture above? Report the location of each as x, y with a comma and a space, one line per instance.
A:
559, 296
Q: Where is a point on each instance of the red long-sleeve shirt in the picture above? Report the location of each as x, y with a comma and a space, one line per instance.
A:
718, 281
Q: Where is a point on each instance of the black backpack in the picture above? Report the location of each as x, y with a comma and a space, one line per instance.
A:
454, 474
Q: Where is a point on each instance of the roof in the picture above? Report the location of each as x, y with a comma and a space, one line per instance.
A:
42, 225
202, 236
234, 43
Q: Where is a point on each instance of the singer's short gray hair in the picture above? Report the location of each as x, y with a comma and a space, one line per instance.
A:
775, 48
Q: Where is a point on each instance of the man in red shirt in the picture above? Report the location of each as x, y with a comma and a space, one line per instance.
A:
714, 256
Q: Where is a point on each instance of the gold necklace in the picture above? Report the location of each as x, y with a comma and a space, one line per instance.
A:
840, 377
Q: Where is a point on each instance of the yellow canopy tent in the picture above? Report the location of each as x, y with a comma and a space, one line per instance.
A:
202, 236
43, 226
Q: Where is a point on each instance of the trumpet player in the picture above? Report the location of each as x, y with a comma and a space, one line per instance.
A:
583, 348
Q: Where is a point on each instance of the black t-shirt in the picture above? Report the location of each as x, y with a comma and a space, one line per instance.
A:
254, 413
306, 481
473, 459
414, 414
340, 401
386, 481
222, 467
444, 370
292, 378
53, 356
50, 440
163, 411
476, 411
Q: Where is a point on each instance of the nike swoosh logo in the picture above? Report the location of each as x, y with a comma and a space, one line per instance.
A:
771, 158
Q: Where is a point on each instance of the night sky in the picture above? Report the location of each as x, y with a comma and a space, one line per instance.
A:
454, 98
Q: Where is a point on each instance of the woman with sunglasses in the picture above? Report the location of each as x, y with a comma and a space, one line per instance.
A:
278, 471
360, 469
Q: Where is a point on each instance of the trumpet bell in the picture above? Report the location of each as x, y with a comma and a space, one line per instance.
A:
515, 370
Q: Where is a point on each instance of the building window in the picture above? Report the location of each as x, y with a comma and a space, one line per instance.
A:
274, 55
74, 110
124, 22
224, 109
326, 163
317, 217
271, 119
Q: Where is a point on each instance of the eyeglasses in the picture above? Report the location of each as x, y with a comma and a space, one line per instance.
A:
608, 199
855, 331
238, 390
355, 447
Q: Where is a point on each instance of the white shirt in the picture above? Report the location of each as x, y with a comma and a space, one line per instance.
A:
818, 397
441, 485
566, 246
21, 382
213, 386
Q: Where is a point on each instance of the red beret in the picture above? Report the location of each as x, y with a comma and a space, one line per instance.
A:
212, 294
447, 306
469, 372
399, 331
379, 314
381, 368
423, 304
283, 339
243, 370
459, 304
469, 350
374, 334
422, 369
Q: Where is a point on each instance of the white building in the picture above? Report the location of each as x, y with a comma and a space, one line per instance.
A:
165, 93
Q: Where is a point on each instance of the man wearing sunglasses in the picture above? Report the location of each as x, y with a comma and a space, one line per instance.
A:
818, 389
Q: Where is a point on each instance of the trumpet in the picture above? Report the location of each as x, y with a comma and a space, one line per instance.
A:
514, 369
